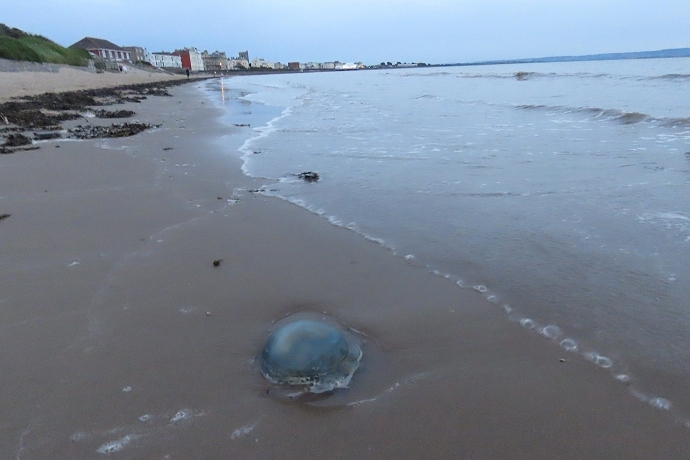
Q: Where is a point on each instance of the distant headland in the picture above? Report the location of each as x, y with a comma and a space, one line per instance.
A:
660, 54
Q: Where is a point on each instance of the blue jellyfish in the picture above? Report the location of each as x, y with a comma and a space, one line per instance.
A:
311, 354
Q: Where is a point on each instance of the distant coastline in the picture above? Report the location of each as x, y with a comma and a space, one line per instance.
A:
660, 54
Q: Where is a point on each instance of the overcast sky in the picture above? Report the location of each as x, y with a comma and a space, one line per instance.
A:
371, 31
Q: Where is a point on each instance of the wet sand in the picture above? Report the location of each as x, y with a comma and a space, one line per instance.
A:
117, 333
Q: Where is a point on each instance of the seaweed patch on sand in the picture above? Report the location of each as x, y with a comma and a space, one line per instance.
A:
46, 112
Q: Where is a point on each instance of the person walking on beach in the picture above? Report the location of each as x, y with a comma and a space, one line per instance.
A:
187, 70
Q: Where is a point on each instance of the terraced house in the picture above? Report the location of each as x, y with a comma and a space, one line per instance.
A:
164, 60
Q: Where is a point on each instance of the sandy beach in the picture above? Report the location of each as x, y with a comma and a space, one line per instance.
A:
119, 336
42, 78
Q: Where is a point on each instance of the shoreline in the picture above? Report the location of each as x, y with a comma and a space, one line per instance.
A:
133, 341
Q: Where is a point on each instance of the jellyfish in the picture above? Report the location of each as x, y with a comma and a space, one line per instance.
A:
312, 355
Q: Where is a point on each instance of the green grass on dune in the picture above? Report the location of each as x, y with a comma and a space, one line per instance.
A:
12, 48
20, 46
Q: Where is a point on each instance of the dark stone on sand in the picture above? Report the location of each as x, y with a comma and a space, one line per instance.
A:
217, 262
114, 130
167, 148
308, 176
4, 216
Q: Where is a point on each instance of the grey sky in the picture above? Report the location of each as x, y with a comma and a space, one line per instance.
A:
371, 31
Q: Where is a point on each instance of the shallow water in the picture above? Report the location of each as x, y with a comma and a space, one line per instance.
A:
560, 191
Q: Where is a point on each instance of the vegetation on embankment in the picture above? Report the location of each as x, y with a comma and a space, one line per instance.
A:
18, 45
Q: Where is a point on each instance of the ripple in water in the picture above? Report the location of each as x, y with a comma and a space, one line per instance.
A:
551, 331
599, 360
114, 446
660, 403
527, 323
625, 378
569, 345
180, 415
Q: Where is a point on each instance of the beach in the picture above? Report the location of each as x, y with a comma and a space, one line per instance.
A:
119, 336
31, 79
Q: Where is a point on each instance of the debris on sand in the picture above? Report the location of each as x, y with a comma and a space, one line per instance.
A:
217, 262
114, 130
113, 113
308, 176
46, 136
35, 118
4, 216
16, 140
49, 109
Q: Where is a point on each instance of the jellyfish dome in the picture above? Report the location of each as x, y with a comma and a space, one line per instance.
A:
312, 354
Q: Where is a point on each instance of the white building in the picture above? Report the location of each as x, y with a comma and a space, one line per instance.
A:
258, 63
238, 64
195, 59
164, 60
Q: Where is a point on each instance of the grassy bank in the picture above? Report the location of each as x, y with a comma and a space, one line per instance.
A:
17, 45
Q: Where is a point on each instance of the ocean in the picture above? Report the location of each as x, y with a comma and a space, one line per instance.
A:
559, 191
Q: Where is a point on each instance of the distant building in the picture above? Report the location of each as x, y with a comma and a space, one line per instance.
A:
238, 64
293, 65
164, 60
191, 59
216, 61
258, 63
329, 65
136, 53
313, 66
103, 48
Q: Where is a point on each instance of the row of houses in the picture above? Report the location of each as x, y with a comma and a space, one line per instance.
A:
186, 58
195, 60
335, 65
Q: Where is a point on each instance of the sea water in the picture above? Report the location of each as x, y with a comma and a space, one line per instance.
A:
559, 191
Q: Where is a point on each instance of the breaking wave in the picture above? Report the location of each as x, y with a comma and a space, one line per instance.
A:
612, 115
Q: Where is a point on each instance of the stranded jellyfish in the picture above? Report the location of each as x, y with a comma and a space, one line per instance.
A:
310, 354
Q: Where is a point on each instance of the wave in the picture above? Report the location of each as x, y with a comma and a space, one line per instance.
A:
522, 75
612, 115
525, 75
427, 74
671, 76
